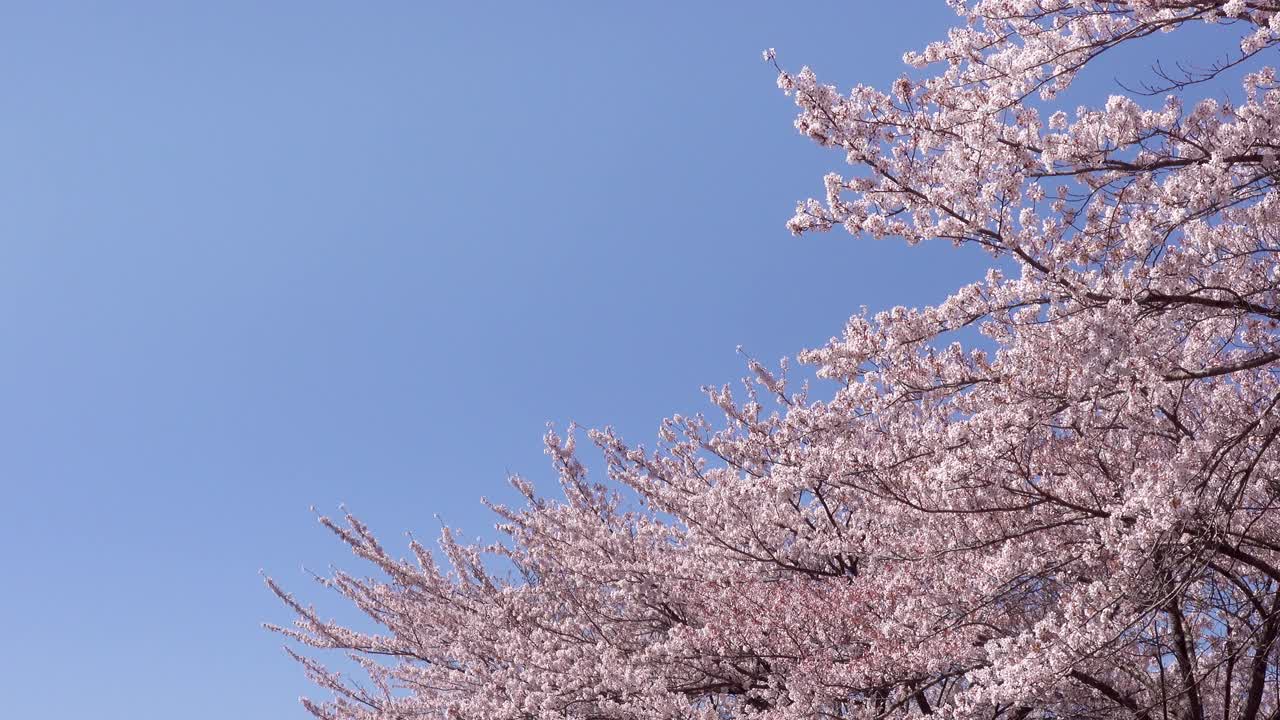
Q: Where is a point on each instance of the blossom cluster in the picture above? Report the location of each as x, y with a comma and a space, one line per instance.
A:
1075, 518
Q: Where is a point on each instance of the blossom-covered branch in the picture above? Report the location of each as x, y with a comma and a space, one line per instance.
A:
1076, 519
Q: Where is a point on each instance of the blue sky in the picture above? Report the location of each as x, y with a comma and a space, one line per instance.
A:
257, 257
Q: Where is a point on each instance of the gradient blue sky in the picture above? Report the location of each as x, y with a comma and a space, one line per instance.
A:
261, 256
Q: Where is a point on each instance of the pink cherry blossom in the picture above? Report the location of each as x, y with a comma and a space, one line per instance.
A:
1075, 520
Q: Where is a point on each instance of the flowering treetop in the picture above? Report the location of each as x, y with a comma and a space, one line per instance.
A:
1078, 523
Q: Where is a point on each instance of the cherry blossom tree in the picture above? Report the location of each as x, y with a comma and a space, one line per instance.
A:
1075, 517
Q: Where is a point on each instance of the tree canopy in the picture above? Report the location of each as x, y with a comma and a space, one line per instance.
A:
1073, 518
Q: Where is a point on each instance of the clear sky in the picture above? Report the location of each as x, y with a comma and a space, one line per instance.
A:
261, 256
